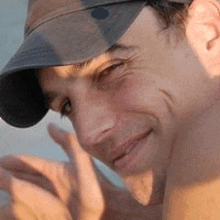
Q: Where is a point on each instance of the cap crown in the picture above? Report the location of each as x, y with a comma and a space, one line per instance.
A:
41, 11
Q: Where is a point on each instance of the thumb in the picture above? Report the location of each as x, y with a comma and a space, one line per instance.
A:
58, 135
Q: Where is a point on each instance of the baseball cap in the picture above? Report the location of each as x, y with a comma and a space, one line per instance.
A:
59, 32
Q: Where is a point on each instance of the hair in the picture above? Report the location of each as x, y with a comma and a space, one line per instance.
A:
170, 13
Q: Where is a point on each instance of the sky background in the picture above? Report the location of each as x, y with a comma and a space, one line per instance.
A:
33, 140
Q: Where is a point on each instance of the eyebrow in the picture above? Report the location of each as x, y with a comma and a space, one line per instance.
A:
114, 48
49, 97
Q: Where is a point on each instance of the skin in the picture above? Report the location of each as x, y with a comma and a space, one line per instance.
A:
166, 85
193, 179
72, 189
52, 190
158, 86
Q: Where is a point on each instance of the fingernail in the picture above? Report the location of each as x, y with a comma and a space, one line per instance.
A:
55, 127
4, 159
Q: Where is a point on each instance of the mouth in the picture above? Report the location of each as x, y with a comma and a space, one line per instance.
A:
127, 154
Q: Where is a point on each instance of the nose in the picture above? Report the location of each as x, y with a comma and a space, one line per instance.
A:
93, 119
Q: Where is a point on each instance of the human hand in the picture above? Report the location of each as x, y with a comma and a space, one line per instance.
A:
47, 189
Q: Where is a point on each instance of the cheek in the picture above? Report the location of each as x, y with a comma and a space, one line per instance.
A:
134, 90
156, 155
143, 96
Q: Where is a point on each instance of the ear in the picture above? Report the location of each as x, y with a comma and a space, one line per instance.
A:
203, 33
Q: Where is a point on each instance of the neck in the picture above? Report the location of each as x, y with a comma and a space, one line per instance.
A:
193, 181
146, 188
197, 149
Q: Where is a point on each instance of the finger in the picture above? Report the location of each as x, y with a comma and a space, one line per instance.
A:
18, 163
52, 176
67, 140
5, 212
37, 180
83, 164
57, 134
32, 202
29, 201
33, 169
29, 164
5, 180
70, 144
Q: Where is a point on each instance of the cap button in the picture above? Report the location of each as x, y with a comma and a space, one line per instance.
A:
100, 13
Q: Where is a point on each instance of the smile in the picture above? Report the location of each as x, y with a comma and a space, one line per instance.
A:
127, 156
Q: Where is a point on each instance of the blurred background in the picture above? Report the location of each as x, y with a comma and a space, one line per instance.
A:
35, 140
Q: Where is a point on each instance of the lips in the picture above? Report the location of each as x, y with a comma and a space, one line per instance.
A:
127, 147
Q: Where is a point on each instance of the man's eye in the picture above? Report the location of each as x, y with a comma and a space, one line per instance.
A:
66, 108
106, 72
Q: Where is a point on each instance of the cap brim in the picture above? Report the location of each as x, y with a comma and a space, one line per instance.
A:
22, 101
67, 39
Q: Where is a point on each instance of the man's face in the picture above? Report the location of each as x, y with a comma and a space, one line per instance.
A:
128, 105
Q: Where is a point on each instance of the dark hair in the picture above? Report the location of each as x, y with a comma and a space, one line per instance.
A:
170, 13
